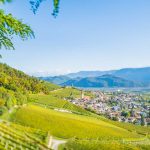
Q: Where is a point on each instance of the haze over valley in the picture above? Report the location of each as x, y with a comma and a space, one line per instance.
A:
128, 77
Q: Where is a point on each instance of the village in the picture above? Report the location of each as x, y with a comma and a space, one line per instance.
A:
117, 106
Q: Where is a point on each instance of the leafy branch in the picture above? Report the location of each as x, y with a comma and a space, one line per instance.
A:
10, 26
4, 1
35, 4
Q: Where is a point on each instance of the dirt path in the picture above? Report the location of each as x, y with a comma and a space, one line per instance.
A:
57, 90
54, 143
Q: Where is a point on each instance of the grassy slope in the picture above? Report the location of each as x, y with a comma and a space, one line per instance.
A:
51, 86
130, 127
54, 102
103, 145
66, 125
66, 92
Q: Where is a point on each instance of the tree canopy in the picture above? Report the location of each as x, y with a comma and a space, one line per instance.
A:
10, 26
3, 1
35, 4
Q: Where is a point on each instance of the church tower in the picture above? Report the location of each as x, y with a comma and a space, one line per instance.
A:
82, 94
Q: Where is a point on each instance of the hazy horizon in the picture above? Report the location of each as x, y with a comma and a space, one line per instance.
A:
58, 73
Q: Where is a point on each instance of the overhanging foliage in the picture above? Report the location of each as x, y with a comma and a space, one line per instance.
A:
10, 26
35, 4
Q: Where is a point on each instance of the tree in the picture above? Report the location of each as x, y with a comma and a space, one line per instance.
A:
35, 4
10, 26
4, 1
142, 120
125, 114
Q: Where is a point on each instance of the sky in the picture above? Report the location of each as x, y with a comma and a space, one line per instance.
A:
86, 35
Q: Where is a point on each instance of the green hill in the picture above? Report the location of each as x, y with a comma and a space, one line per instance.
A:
35, 110
71, 124
16, 85
50, 101
69, 92
18, 81
83, 132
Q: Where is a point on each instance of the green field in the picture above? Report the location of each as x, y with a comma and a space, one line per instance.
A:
69, 92
66, 125
130, 127
80, 130
105, 145
83, 130
50, 101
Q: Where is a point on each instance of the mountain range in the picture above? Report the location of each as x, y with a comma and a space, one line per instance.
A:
127, 77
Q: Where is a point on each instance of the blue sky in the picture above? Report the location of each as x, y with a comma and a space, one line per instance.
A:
87, 35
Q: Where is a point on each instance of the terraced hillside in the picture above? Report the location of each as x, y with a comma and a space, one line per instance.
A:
76, 144
50, 101
78, 128
15, 137
69, 93
71, 125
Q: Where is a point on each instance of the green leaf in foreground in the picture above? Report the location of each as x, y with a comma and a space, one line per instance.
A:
9, 27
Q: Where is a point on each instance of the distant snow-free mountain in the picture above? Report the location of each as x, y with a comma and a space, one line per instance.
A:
102, 81
127, 77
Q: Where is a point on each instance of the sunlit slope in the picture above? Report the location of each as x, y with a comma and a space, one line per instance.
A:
50, 101
18, 81
130, 127
69, 92
107, 145
21, 138
66, 125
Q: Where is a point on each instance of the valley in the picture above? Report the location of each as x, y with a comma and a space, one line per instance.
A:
74, 75
46, 112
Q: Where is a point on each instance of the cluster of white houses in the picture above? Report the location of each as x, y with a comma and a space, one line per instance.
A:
123, 107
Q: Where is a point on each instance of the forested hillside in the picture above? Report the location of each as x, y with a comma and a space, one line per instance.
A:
16, 80
16, 85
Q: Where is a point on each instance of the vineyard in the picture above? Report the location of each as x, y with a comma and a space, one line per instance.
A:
82, 132
69, 93
72, 125
106, 145
130, 127
31, 123
15, 137
50, 101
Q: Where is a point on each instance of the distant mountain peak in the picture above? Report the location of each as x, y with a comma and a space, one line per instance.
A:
130, 77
